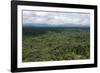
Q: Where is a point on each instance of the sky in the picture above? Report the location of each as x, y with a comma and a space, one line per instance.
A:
45, 18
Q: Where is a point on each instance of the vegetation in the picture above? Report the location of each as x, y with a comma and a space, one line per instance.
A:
42, 44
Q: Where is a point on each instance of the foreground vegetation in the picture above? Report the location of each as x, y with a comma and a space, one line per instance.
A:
52, 45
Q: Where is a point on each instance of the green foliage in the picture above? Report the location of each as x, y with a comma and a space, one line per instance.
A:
52, 45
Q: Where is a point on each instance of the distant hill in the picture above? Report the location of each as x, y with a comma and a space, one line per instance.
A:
62, 25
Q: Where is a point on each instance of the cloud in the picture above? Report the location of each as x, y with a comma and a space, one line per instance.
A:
55, 18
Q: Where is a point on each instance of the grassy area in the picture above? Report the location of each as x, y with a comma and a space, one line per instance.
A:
52, 44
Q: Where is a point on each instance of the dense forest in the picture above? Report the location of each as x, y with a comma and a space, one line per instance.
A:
53, 44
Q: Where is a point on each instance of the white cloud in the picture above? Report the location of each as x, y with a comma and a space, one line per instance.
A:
55, 18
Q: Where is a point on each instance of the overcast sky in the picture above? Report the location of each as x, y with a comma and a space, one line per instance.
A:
43, 18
